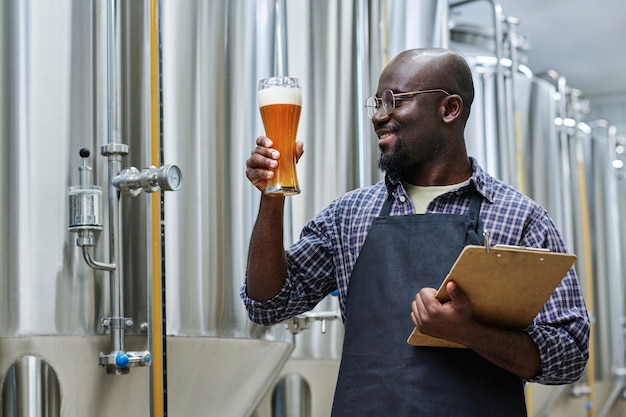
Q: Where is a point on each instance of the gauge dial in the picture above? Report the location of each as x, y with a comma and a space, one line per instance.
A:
170, 177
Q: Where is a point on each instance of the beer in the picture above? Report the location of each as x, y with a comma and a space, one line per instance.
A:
280, 104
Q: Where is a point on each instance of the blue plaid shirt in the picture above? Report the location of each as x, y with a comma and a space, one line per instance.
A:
321, 261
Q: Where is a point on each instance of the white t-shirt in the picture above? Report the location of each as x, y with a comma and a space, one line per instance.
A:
422, 196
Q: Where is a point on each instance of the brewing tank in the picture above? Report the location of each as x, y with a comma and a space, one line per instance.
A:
529, 130
57, 98
53, 88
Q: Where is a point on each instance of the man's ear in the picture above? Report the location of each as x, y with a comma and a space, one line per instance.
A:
452, 108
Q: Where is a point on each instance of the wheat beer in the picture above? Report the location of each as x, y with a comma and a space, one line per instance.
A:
280, 103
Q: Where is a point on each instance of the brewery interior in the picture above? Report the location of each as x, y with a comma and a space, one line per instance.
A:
126, 212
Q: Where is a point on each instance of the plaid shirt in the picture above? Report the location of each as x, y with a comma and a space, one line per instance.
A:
321, 261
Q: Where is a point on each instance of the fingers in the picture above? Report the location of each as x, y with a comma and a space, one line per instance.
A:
423, 305
299, 150
264, 147
415, 314
262, 160
426, 309
457, 297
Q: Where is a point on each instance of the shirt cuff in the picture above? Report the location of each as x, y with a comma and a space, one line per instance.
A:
267, 312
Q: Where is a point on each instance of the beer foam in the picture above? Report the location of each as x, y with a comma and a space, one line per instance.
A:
280, 95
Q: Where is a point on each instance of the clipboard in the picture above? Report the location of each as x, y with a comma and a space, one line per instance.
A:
506, 285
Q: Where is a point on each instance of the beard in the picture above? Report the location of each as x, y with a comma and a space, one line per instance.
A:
394, 163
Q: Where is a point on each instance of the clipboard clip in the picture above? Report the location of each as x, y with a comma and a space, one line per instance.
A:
521, 247
488, 245
486, 238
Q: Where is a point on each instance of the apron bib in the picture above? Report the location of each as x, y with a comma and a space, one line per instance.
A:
380, 373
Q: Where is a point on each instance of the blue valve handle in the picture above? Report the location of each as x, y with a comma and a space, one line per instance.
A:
122, 360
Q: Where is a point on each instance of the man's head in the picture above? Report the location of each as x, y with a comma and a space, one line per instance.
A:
420, 125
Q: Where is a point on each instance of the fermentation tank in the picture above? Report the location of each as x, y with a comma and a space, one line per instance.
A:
607, 220
122, 300
85, 75
340, 154
529, 130
512, 130
97, 93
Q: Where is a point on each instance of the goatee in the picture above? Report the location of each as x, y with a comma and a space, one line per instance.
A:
393, 163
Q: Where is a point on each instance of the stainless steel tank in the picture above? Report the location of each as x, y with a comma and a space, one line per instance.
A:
55, 92
56, 89
213, 54
607, 245
339, 59
529, 130
53, 89
491, 134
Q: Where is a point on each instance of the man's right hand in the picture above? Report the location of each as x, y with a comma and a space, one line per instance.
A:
263, 159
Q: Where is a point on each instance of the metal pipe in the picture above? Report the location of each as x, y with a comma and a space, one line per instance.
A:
281, 67
441, 36
113, 71
565, 156
502, 118
516, 133
281, 60
362, 49
95, 264
114, 154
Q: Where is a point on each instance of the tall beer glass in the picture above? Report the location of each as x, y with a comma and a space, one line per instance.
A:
280, 103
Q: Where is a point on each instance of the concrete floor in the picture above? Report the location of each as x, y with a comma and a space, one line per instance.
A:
555, 401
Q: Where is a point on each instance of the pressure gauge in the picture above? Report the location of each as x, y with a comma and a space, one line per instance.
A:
130, 181
169, 177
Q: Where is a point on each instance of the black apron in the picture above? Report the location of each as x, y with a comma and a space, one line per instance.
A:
380, 373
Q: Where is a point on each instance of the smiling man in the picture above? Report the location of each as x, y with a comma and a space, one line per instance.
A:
386, 247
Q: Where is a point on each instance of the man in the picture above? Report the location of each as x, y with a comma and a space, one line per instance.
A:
386, 262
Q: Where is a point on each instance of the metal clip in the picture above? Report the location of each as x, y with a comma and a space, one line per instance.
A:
486, 237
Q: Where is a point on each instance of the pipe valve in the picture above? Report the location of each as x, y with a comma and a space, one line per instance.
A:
131, 181
119, 362
303, 321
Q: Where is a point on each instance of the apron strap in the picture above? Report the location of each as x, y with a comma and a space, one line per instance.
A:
474, 217
384, 212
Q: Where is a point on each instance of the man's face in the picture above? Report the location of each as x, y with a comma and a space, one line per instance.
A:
408, 136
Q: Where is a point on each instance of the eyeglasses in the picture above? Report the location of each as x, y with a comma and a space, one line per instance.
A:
388, 100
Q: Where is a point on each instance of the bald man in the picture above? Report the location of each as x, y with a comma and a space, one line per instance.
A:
386, 247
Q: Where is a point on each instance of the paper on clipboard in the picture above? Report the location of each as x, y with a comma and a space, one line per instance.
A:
506, 285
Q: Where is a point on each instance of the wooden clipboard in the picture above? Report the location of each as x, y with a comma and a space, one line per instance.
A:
506, 285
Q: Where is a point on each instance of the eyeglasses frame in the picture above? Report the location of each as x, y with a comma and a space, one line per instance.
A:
380, 103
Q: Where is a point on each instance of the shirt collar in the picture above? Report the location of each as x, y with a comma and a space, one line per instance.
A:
483, 182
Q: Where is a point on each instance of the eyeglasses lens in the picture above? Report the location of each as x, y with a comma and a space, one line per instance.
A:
389, 102
371, 105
